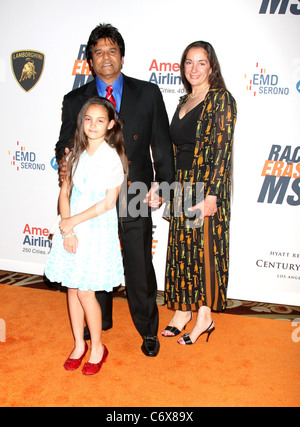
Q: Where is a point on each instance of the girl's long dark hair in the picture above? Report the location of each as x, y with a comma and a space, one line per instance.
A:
215, 78
114, 137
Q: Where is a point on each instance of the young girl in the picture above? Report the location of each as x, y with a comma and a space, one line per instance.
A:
85, 254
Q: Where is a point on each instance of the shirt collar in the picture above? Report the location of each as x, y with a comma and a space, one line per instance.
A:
117, 85
117, 89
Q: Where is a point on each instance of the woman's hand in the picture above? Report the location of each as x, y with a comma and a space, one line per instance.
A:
208, 206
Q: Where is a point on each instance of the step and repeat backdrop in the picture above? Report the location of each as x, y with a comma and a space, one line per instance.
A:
42, 57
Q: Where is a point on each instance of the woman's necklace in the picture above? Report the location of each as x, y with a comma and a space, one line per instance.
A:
202, 90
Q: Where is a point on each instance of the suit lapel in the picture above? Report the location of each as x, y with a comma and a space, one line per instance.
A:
129, 96
90, 90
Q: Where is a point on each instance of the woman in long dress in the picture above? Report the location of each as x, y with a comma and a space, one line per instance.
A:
198, 248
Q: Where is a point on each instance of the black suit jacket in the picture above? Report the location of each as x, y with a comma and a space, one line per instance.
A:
145, 124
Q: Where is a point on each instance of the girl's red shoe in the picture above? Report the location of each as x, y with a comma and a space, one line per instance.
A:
72, 364
94, 368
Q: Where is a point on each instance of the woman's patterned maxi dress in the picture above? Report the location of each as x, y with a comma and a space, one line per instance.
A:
198, 251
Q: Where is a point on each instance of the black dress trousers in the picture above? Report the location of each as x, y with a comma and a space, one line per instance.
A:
141, 285
105, 299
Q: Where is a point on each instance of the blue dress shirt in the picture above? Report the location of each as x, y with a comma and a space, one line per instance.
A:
117, 92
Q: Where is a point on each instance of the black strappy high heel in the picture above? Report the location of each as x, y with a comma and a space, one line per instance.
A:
187, 340
175, 331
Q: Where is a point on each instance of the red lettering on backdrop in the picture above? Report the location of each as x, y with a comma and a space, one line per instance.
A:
36, 230
164, 66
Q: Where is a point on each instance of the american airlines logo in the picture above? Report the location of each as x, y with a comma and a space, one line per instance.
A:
281, 7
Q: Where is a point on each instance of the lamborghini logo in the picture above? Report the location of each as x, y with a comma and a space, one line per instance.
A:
27, 66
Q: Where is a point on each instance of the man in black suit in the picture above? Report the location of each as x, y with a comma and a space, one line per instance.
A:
141, 107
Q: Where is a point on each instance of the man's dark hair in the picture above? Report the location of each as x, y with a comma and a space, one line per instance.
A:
104, 31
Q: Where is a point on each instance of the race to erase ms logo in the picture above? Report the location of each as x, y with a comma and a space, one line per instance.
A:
22, 159
280, 7
81, 69
262, 82
281, 172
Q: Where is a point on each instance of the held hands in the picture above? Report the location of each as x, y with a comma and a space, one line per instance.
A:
153, 200
208, 206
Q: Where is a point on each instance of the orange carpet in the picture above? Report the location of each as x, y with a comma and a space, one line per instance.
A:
248, 361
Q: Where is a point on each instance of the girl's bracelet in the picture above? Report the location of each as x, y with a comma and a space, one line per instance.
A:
69, 235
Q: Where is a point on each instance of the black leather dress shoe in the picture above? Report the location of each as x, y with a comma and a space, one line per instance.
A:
150, 346
87, 335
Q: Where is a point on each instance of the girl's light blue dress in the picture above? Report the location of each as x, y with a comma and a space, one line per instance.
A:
97, 264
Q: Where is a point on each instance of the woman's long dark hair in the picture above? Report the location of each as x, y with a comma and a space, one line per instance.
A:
215, 78
114, 137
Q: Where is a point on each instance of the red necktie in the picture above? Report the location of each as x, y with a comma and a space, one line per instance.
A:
109, 95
